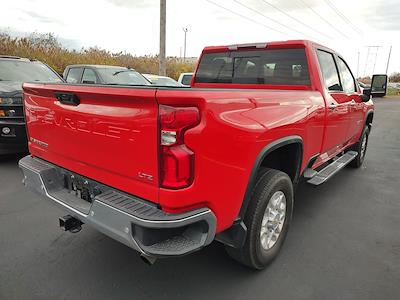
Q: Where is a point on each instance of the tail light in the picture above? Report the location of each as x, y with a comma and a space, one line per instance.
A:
177, 160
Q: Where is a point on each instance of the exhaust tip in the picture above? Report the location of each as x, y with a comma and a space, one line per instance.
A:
148, 259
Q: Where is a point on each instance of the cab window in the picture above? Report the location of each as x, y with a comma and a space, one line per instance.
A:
266, 66
348, 81
329, 70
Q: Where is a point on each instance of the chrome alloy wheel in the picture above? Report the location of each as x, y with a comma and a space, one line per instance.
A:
273, 220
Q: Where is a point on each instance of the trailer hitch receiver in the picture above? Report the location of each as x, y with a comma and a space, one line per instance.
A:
69, 223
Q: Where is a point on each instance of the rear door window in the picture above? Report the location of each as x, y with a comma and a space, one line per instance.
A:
267, 66
74, 75
89, 76
186, 79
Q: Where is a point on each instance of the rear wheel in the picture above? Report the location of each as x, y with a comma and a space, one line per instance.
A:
267, 219
361, 148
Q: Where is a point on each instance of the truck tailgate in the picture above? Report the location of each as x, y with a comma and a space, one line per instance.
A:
111, 136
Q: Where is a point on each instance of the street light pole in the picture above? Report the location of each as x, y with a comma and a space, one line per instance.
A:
185, 30
162, 70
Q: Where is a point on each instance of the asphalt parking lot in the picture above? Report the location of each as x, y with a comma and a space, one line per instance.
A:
344, 243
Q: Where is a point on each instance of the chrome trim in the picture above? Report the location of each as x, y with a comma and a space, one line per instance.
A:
43, 187
208, 211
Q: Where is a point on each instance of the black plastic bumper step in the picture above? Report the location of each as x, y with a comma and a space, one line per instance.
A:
331, 169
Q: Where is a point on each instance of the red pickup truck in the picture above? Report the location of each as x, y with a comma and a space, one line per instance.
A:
168, 170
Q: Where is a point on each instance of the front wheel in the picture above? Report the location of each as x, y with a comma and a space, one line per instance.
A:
361, 148
267, 219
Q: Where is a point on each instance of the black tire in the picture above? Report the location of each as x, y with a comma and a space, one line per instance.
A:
358, 147
252, 254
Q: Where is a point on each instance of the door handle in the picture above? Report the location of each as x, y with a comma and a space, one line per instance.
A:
332, 105
68, 98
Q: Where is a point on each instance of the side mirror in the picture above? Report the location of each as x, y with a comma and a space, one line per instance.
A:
366, 95
379, 85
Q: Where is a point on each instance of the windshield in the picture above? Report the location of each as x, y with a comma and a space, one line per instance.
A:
122, 76
25, 71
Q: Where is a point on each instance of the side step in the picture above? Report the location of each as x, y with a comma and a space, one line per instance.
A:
331, 169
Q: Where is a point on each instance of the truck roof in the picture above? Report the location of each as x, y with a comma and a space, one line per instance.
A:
275, 44
93, 66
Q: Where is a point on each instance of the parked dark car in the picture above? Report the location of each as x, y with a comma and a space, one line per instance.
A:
103, 74
13, 72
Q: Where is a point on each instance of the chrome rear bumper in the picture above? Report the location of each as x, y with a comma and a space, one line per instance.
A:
132, 221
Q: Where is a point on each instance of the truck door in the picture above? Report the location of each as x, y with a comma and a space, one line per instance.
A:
354, 100
337, 106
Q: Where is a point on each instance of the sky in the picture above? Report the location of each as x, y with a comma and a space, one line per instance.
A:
347, 26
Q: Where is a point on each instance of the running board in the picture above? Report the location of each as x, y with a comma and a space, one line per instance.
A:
330, 170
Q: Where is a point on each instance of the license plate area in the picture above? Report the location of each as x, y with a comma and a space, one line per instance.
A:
80, 187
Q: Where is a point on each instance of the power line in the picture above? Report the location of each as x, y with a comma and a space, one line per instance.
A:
343, 17
323, 19
297, 20
244, 17
269, 18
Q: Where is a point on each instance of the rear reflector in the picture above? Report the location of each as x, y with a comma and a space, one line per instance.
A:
177, 160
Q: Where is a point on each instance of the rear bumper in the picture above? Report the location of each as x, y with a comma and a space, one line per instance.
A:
13, 148
132, 221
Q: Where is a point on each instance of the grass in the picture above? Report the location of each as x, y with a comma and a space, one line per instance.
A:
47, 49
393, 92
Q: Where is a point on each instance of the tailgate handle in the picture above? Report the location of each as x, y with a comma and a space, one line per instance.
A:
68, 98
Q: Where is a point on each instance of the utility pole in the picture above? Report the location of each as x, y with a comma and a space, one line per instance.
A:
366, 61
162, 64
185, 30
376, 56
387, 65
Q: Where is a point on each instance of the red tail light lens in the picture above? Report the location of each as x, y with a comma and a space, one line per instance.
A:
177, 160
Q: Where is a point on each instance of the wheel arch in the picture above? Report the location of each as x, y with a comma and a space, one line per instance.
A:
263, 155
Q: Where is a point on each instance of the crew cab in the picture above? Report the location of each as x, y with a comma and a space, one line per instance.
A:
13, 72
168, 170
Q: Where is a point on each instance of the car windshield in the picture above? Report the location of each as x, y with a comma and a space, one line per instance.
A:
122, 76
25, 71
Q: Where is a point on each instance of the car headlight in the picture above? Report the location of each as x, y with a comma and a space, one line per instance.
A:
7, 113
10, 101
